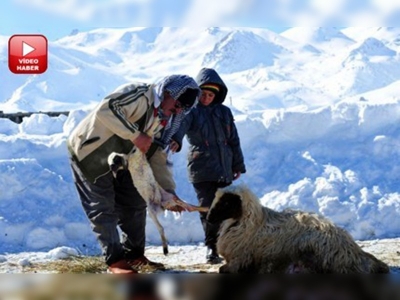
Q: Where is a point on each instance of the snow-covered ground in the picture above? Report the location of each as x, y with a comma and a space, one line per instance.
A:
182, 258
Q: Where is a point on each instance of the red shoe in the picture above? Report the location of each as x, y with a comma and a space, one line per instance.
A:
121, 267
143, 261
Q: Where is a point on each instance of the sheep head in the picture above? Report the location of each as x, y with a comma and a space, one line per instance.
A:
117, 162
225, 206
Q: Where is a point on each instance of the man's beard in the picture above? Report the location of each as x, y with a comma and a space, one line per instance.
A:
173, 111
162, 115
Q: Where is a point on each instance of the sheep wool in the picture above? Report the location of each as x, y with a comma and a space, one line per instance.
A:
255, 239
156, 197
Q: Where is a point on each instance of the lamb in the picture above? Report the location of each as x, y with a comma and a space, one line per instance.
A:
255, 239
156, 197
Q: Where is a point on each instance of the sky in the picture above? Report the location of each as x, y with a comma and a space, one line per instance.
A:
324, 140
56, 19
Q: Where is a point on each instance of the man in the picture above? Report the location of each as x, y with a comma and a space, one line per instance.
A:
118, 124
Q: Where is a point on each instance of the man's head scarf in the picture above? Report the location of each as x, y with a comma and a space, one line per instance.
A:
177, 86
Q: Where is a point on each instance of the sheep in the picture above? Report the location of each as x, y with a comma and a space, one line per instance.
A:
156, 197
255, 239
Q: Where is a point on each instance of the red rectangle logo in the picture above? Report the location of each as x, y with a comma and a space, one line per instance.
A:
27, 54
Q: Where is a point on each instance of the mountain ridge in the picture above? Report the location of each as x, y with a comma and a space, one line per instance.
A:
87, 65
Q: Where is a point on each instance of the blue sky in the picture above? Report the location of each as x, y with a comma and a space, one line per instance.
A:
57, 18
15, 18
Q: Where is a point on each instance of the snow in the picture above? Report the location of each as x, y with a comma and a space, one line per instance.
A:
319, 130
324, 37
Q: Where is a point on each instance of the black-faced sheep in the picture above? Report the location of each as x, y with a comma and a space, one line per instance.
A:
255, 239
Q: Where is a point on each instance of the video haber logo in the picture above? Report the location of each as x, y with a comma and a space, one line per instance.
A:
27, 54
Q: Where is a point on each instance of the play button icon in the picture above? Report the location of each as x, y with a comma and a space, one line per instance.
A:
27, 54
26, 49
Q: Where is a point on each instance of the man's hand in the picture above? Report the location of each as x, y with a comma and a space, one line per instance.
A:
143, 142
176, 208
173, 146
236, 175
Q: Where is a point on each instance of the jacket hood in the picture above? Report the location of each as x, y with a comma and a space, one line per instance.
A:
210, 76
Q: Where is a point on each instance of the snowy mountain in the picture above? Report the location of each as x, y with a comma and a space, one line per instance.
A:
367, 66
319, 37
390, 36
317, 110
240, 51
302, 66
